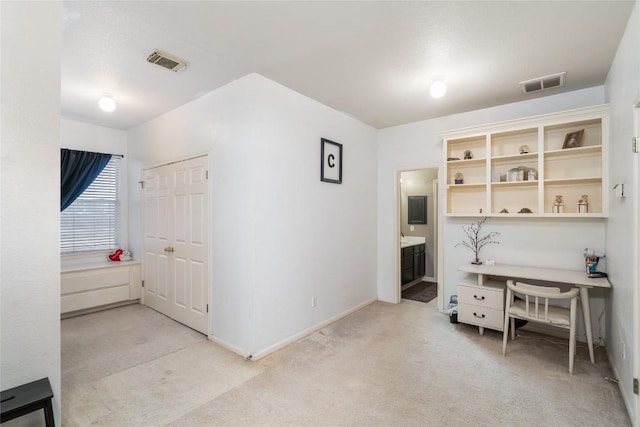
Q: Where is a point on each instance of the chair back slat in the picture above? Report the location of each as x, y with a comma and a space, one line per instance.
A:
546, 309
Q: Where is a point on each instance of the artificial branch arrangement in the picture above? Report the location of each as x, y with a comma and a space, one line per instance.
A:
475, 242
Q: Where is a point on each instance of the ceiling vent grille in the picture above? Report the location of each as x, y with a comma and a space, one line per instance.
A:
167, 61
543, 83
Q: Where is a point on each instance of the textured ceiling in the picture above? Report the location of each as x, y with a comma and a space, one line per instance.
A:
371, 60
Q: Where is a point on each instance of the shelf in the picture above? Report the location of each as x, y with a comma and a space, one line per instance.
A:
461, 186
532, 183
528, 156
570, 181
597, 215
592, 149
468, 162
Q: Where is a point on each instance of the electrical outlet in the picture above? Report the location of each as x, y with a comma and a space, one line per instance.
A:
314, 301
624, 351
412, 228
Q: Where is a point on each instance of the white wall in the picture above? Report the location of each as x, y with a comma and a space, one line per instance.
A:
623, 92
76, 135
278, 235
30, 195
553, 243
84, 136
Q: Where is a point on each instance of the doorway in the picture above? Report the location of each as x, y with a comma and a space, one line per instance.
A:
418, 225
176, 241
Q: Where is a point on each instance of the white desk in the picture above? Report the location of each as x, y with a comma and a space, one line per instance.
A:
576, 278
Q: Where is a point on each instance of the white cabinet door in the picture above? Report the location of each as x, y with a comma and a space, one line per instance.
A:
175, 227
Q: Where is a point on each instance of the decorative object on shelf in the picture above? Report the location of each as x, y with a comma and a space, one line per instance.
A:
516, 174
474, 242
504, 210
583, 204
531, 174
497, 176
468, 154
331, 161
525, 210
459, 178
126, 256
558, 205
522, 173
524, 149
450, 159
573, 139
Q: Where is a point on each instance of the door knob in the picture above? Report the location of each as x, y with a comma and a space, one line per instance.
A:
168, 249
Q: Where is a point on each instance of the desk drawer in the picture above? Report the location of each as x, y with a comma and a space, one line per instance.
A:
482, 296
481, 316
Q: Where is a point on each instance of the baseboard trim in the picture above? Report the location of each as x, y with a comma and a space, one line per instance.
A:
69, 314
228, 346
273, 348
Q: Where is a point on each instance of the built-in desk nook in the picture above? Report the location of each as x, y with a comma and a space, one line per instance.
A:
482, 304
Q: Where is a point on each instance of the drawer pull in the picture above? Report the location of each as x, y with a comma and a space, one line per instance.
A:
479, 317
479, 298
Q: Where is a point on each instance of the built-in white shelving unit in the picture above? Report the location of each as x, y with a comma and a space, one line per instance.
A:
550, 170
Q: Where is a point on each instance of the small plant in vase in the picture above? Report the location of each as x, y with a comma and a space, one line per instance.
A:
474, 242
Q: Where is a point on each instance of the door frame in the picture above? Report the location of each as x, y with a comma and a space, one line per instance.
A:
636, 253
208, 155
439, 230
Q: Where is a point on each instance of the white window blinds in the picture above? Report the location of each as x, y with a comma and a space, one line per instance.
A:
92, 221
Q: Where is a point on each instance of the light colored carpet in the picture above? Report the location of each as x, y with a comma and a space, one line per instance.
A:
386, 364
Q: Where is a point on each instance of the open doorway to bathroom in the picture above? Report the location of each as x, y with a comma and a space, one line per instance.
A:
418, 230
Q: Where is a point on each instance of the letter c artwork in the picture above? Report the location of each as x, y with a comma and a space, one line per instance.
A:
330, 160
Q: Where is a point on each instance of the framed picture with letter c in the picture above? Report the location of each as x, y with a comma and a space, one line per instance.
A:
331, 161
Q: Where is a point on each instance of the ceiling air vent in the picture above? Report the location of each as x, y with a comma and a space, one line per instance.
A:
542, 83
167, 61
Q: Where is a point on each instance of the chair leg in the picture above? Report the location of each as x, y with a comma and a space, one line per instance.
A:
572, 347
572, 335
513, 328
505, 334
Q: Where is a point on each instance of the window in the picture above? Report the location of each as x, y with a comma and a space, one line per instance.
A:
92, 221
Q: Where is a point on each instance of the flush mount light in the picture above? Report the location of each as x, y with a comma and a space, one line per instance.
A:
438, 88
107, 104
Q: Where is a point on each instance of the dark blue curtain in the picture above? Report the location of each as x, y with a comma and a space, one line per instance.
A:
78, 169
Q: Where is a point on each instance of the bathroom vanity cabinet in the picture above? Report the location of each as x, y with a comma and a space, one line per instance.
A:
413, 263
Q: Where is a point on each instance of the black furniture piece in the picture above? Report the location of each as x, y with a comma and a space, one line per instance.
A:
18, 401
413, 263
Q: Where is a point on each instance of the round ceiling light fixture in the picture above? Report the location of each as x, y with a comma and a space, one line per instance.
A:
107, 104
438, 88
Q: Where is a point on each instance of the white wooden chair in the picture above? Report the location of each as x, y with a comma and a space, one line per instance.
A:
535, 307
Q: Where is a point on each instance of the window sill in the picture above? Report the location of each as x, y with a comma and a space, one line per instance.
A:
90, 261
96, 266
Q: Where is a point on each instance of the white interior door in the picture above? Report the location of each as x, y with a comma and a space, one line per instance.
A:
175, 227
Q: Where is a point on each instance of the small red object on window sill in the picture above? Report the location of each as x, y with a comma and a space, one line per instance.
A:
116, 255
